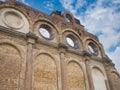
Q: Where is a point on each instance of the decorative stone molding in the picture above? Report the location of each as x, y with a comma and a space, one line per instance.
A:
12, 19
62, 45
12, 32
86, 53
57, 49
31, 35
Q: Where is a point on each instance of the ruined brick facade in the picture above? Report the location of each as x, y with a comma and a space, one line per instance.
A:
50, 52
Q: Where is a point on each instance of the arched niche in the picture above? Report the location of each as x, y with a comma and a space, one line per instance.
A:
98, 79
115, 79
50, 32
68, 17
14, 19
45, 74
115, 75
10, 66
75, 76
72, 39
93, 47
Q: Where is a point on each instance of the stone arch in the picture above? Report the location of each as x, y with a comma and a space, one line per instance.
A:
10, 65
88, 39
71, 31
45, 73
13, 44
46, 53
115, 74
115, 77
75, 76
77, 62
53, 30
36, 23
98, 79
25, 21
70, 17
91, 39
20, 10
68, 31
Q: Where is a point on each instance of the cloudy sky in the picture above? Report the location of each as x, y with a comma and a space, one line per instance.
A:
100, 17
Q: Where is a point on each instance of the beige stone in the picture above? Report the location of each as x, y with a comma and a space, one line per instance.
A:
31, 61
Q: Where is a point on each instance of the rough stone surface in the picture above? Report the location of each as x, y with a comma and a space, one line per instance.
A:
29, 61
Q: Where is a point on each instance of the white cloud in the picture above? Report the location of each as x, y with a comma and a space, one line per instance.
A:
49, 5
72, 5
116, 1
25, 2
103, 19
116, 57
3, 0
67, 4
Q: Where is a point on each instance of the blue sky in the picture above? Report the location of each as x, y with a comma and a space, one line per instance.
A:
100, 17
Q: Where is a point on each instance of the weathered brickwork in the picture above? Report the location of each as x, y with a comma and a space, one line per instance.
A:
75, 77
45, 76
50, 52
116, 79
10, 62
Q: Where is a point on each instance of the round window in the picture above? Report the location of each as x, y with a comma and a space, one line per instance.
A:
68, 18
93, 49
46, 32
72, 41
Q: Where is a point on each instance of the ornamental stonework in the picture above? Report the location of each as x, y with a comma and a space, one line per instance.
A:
50, 52
10, 63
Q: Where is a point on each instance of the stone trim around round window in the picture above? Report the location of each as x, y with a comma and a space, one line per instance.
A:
12, 18
72, 41
68, 18
93, 49
46, 32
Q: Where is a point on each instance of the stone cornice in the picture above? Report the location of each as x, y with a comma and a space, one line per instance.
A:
16, 33
12, 32
51, 44
31, 35
36, 15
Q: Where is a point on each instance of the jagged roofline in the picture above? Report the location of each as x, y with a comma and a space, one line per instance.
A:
55, 18
34, 14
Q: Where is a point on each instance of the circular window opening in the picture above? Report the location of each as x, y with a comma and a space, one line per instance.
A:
68, 18
72, 41
93, 49
46, 32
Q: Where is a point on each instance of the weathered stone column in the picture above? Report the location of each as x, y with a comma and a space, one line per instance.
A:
89, 74
62, 50
29, 61
108, 66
